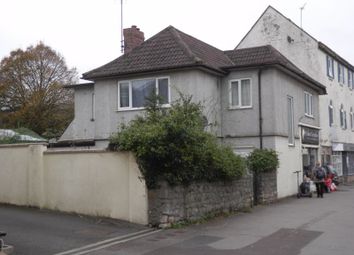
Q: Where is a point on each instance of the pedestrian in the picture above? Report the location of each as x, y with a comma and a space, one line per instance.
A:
319, 176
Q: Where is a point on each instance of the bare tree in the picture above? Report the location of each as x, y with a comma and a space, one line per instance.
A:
31, 90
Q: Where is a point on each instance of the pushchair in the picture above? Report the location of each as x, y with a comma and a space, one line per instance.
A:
304, 188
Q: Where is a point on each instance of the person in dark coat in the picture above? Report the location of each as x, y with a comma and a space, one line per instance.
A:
319, 175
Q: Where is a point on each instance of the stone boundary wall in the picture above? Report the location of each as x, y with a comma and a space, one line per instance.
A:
266, 187
170, 204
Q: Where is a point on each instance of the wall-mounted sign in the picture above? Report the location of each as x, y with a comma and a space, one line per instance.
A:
310, 136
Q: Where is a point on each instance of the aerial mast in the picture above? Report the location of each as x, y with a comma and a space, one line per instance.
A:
301, 9
121, 28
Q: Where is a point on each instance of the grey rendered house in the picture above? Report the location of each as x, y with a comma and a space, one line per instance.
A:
325, 66
253, 97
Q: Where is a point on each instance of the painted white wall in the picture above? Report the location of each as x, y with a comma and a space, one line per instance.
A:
289, 162
94, 183
21, 174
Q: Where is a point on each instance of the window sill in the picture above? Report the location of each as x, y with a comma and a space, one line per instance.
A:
309, 116
291, 145
139, 108
240, 108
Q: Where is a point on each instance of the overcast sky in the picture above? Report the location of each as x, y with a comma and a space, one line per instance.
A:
87, 32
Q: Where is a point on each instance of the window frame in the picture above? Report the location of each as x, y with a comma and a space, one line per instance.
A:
239, 106
350, 79
330, 67
331, 110
351, 114
341, 74
291, 129
310, 105
342, 117
130, 107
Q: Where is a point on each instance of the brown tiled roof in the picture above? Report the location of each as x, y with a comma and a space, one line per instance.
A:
172, 49
267, 56
168, 49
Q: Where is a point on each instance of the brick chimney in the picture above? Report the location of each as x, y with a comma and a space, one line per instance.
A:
133, 37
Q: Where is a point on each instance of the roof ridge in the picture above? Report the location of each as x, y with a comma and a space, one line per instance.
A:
176, 34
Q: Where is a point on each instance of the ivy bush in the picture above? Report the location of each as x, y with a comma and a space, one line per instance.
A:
263, 160
170, 144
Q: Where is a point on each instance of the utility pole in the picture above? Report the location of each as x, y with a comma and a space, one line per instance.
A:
301, 9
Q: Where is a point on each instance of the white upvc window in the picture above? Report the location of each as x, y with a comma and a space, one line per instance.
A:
341, 76
134, 94
308, 104
330, 67
240, 93
291, 128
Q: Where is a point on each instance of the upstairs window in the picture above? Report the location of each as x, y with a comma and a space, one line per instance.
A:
308, 104
341, 78
350, 79
134, 94
330, 113
240, 95
351, 119
330, 67
342, 117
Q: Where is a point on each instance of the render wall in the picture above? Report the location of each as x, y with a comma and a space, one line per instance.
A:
201, 85
82, 127
302, 49
94, 183
290, 160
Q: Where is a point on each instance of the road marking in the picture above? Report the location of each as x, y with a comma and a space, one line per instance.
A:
108, 242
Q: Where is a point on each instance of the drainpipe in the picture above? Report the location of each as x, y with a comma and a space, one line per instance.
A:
256, 176
260, 109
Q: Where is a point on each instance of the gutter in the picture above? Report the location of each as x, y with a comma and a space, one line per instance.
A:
218, 72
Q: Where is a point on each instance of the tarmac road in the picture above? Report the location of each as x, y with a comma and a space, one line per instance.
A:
43, 232
306, 226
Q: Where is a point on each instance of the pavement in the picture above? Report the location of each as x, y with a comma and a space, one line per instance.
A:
305, 226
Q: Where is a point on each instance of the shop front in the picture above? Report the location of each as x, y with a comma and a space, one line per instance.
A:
310, 140
343, 159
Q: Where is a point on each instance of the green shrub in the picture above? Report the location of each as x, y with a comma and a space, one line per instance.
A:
170, 144
263, 160
10, 140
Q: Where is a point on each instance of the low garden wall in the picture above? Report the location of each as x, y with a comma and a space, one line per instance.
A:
265, 187
170, 204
